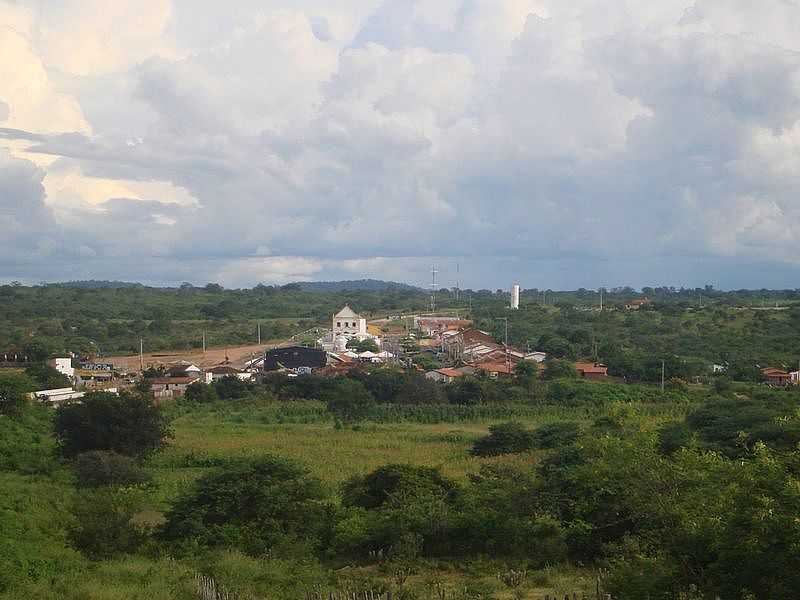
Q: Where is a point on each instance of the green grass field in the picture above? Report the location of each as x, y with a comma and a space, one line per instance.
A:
206, 437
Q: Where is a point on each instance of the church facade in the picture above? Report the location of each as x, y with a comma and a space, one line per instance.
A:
349, 323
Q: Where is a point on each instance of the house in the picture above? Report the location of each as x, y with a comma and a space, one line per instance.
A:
776, 377
496, 368
222, 371
535, 356
473, 346
185, 369
638, 303
294, 357
438, 325
446, 375
795, 377
63, 366
591, 370
93, 379
170, 387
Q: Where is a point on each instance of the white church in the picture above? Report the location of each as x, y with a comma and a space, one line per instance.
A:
346, 325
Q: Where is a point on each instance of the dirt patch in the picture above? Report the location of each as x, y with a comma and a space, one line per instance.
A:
237, 356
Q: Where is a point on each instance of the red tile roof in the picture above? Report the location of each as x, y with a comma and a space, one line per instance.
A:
448, 372
496, 367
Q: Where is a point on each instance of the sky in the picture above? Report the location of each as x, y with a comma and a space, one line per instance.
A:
557, 143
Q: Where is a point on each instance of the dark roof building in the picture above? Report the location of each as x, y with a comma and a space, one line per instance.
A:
294, 357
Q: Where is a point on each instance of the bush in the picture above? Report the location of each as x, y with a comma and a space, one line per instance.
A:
201, 393
505, 438
252, 506
127, 424
230, 388
13, 388
100, 467
348, 400
559, 369
391, 481
105, 524
47, 378
556, 435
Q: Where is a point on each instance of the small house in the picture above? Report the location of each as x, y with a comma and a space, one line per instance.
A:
776, 377
591, 370
446, 375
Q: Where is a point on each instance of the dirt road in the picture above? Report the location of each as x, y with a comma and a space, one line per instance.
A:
237, 355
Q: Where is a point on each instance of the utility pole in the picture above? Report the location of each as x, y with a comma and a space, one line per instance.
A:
508, 358
204, 342
259, 333
141, 354
662, 376
601, 299
458, 283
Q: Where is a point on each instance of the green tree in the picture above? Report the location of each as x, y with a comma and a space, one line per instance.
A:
230, 388
201, 393
365, 345
504, 438
47, 378
559, 369
252, 506
128, 424
381, 485
104, 523
13, 389
348, 399
100, 467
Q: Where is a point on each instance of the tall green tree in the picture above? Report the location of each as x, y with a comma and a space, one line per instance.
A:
128, 423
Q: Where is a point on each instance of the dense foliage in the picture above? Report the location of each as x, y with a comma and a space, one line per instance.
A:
252, 506
505, 438
127, 423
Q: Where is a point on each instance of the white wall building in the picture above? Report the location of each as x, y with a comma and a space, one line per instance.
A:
346, 325
63, 366
349, 323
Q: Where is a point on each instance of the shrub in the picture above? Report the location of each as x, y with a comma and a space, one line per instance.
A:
230, 388
128, 424
349, 400
556, 435
391, 481
505, 438
13, 388
201, 393
252, 506
105, 524
100, 467
559, 369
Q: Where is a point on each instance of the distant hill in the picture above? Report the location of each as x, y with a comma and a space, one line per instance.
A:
93, 284
359, 285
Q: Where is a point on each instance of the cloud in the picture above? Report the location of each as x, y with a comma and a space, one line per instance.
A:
580, 143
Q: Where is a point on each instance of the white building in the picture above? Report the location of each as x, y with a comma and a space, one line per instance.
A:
515, 296
349, 323
63, 366
346, 325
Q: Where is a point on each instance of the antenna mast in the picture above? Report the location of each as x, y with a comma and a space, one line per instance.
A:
433, 288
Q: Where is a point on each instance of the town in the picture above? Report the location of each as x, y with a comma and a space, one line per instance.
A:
442, 347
